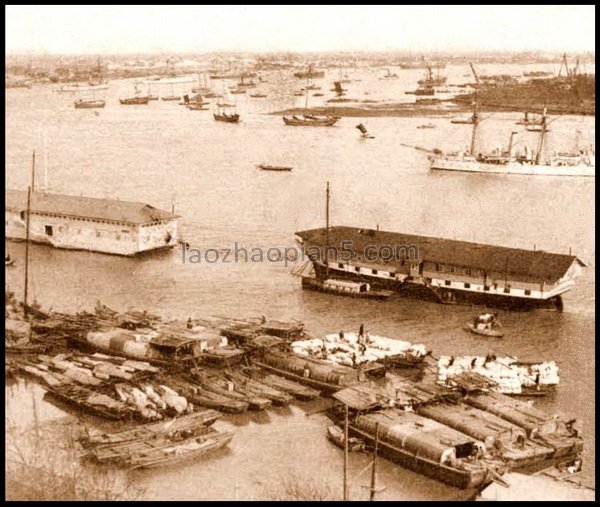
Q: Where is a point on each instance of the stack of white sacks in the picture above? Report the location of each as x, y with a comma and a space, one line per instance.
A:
341, 350
509, 376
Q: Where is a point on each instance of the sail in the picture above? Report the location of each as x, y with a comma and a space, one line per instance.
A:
338, 87
362, 128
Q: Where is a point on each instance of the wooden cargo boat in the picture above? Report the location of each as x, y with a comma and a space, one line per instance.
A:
311, 121
209, 399
549, 431
228, 118
91, 400
424, 446
500, 437
230, 390
89, 104
321, 375
344, 288
133, 101
161, 451
168, 351
266, 167
299, 391
257, 387
506, 375
187, 425
365, 351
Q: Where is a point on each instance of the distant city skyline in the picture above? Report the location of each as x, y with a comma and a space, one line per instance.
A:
295, 28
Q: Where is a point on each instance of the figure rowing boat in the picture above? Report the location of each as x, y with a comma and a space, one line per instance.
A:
484, 332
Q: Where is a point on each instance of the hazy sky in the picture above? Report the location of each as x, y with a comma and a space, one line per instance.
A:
130, 29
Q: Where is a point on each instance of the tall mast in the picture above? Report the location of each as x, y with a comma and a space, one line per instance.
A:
45, 160
29, 190
475, 121
327, 230
475, 117
307, 85
542, 138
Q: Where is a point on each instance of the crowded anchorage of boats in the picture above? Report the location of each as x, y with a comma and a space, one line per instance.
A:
138, 367
464, 419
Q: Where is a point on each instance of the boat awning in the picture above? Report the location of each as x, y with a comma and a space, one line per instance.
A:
265, 341
359, 397
171, 342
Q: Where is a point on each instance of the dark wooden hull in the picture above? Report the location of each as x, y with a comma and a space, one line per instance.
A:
274, 168
489, 333
318, 122
458, 478
443, 295
134, 101
234, 118
324, 387
299, 391
212, 400
315, 284
90, 104
77, 399
254, 402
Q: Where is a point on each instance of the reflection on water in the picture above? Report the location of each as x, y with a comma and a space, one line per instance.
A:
164, 153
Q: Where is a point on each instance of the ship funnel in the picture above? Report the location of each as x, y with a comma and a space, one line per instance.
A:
510, 143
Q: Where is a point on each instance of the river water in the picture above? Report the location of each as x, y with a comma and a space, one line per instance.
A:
163, 154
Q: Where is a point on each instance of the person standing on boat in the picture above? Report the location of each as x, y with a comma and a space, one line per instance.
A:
361, 331
362, 348
189, 323
341, 336
323, 349
306, 371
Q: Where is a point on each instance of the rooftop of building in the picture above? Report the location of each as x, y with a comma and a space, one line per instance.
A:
536, 264
113, 210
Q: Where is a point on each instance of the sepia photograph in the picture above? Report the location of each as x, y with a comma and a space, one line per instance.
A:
300, 252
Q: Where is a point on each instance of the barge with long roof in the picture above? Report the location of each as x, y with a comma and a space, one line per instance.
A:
442, 270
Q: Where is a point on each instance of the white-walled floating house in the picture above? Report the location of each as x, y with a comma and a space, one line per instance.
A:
87, 223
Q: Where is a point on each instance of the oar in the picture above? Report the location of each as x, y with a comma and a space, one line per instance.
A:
497, 478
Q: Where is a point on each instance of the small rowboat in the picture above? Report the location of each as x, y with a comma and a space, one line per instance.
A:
266, 167
484, 332
257, 95
336, 435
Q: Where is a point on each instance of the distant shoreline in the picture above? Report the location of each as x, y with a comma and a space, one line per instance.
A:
371, 110
400, 110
